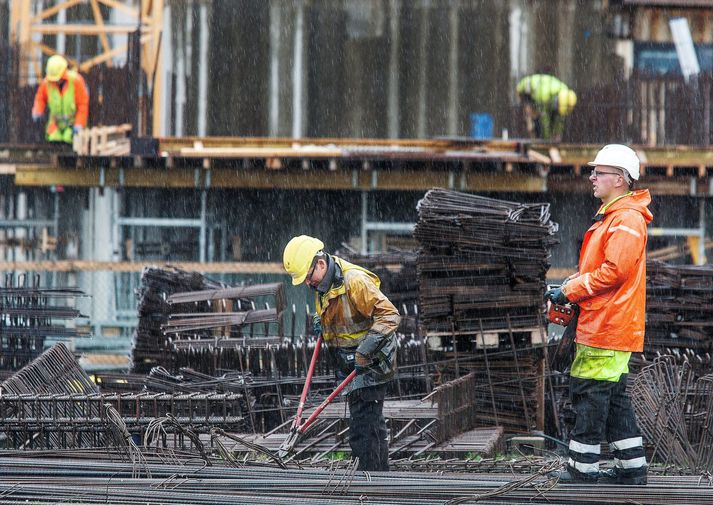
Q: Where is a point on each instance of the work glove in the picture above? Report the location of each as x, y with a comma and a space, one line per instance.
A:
37, 118
361, 364
556, 296
316, 324
76, 129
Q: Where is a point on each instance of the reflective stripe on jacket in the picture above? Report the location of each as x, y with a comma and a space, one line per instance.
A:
354, 308
611, 286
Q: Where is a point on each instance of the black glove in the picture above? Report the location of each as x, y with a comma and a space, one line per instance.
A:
556, 296
38, 118
316, 324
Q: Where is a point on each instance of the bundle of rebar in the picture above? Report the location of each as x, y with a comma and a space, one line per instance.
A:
150, 345
74, 481
30, 314
481, 259
674, 412
52, 421
396, 270
56, 371
679, 307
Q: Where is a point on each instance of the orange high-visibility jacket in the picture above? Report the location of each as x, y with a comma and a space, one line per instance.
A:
611, 286
81, 97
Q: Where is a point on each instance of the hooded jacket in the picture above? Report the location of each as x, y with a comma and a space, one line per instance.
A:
611, 286
357, 317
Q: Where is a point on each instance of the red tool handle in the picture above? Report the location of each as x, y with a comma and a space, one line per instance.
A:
327, 401
308, 381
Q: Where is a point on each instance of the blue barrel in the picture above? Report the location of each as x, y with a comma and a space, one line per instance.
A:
481, 125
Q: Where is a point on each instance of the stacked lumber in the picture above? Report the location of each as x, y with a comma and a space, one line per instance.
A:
679, 307
482, 262
103, 141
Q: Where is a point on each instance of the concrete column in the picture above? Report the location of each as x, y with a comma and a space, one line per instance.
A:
99, 242
275, 46
299, 75
20, 233
566, 39
423, 84
203, 72
453, 69
394, 97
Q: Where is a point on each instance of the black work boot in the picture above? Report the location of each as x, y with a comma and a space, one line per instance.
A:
569, 475
612, 476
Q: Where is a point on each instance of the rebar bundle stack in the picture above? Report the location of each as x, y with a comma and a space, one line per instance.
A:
30, 314
226, 317
399, 281
481, 260
679, 304
675, 412
150, 346
66, 421
56, 371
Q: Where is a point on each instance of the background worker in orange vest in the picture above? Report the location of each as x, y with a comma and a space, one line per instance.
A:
65, 92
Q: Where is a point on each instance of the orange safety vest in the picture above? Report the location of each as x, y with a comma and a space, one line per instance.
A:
610, 288
67, 108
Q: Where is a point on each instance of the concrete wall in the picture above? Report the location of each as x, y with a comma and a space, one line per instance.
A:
374, 68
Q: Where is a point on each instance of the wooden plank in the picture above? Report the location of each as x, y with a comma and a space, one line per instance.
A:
126, 266
99, 20
131, 11
76, 29
262, 152
47, 13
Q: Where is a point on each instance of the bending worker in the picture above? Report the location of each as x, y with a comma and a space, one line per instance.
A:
610, 289
358, 323
65, 92
546, 101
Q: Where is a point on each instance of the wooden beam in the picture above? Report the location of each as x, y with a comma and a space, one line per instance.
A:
51, 11
99, 19
131, 11
78, 29
127, 266
157, 22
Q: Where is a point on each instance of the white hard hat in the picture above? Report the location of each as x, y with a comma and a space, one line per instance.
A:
619, 156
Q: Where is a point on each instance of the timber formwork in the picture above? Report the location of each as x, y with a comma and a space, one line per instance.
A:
461, 164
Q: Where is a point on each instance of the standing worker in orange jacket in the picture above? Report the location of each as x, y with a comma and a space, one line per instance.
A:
610, 289
65, 92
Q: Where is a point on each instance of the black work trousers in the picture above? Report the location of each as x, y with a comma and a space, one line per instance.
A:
604, 412
368, 436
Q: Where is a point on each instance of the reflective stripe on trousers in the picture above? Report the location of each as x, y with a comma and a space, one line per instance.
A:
604, 412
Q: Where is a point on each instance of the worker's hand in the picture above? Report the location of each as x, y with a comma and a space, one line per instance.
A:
76, 129
556, 296
316, 324
361, 363
37, 118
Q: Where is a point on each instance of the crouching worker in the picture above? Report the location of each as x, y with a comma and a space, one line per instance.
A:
358, 323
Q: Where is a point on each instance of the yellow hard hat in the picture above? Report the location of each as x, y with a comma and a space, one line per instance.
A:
56, 65
298, 255
566, 100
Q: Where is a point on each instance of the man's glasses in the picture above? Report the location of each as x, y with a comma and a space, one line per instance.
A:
598, 173
310, 273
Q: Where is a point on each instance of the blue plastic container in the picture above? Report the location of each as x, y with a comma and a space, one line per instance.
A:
481, 125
